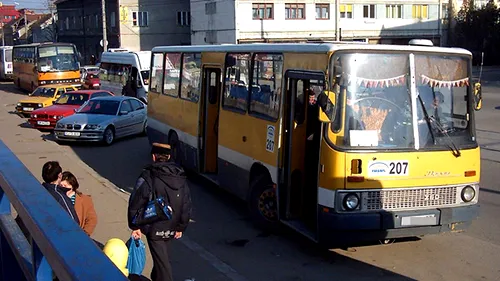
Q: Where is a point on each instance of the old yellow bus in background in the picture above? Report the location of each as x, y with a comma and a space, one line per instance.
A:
341, 142
45, 63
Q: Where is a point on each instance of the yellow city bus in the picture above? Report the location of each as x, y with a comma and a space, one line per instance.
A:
340, 142
45, 63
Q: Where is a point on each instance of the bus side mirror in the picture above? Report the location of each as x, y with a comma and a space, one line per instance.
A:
478, 96
326, 102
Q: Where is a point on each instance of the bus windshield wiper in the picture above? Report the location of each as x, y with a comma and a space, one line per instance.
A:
442, 130
427, 119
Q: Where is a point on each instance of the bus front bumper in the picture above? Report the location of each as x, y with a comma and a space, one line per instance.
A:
348, 228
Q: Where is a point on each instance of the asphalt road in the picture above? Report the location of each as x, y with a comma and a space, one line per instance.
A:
224, 238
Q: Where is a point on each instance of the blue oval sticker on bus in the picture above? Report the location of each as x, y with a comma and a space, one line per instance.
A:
388, 168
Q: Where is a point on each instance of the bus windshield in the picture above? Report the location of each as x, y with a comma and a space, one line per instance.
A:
378, 112
57, 58
8, 55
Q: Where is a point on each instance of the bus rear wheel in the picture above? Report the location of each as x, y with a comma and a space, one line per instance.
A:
263, 205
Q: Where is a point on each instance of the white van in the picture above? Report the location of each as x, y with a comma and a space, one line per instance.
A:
126, 73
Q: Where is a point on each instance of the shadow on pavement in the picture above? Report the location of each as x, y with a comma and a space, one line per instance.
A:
221, 225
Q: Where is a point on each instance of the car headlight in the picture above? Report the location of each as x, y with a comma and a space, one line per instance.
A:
18, 104
40, 105
60, 125
92, 127
351, 201
33, 115
468, 194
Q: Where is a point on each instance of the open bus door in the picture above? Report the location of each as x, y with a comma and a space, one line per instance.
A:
298, 194
209, 120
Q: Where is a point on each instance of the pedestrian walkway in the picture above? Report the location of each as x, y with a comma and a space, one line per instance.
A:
110, 203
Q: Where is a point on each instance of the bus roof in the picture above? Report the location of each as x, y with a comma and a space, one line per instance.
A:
142, 57
6, 47
306, 48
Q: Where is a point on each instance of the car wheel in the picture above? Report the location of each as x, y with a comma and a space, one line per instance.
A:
108, 136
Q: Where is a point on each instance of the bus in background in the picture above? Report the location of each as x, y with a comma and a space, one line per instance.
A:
126, 73
342, 142
40, 64
6, 63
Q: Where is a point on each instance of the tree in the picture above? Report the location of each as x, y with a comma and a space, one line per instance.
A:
477, 29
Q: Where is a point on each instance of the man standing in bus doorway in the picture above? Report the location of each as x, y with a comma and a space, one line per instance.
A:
167, 180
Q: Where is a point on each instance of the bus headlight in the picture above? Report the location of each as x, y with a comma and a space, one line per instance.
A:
351, 201
468, 193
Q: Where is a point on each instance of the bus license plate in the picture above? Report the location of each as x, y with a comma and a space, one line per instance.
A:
28, 108
72, 134
43, 123
419, 220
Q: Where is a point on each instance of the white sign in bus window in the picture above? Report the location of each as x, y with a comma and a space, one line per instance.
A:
270, 138
363, 137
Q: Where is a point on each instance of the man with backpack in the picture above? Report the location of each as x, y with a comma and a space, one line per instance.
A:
160, 208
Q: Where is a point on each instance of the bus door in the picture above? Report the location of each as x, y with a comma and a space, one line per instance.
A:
302, 150
209, 119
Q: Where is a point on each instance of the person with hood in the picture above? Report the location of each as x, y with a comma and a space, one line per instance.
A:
167, 180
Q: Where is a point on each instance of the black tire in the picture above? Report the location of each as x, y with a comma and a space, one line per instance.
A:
262, 203
108, 137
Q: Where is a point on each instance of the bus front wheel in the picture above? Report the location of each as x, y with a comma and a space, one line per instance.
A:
263, 204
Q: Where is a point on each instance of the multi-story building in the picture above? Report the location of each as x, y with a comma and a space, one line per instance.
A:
8, 13
374, 21
131, 24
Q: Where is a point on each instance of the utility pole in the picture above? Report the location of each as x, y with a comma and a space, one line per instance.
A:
337, 20
104, 35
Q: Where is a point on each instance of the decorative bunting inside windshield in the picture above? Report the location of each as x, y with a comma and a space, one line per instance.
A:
439, 83
378, 83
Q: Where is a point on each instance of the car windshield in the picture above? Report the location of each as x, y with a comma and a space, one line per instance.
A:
72, 99
145, 76
57, 58
44, 92
106, 107
378, 101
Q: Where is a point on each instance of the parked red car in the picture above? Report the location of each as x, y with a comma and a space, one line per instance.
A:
45, 118
91, 81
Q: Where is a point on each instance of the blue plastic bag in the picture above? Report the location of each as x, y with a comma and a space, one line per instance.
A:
136, 256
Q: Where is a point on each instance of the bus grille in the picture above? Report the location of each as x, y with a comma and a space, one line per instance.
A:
410, 198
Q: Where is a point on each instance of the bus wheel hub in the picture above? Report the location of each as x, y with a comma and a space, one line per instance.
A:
267, 204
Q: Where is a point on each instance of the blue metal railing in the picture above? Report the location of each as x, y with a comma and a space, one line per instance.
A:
57, 243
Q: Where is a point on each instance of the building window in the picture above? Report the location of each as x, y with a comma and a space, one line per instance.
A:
345, 11
295, 11
322, 11
140, 18
210, 8
394, 11
112, 19
184, 18
369, 11
420, 11
96, 20
237, 82
262, 11
67, 23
